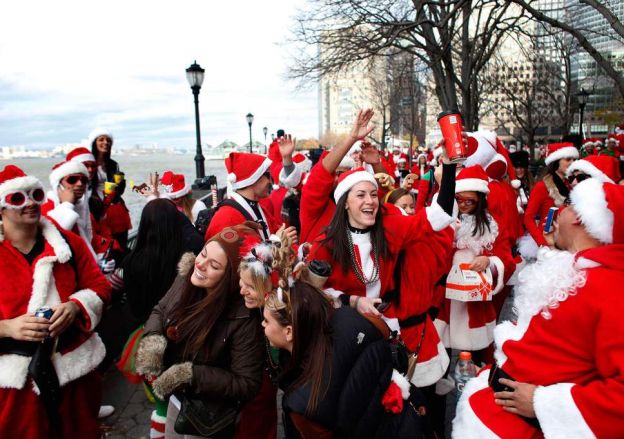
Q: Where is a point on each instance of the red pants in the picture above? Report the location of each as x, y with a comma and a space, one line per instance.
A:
258, 419
23, 416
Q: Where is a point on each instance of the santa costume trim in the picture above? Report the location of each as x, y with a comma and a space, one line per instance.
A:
430, 371
591, 205
567, 152
557, 413
91, 305
467, 424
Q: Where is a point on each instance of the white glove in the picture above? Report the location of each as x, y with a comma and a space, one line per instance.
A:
107, 266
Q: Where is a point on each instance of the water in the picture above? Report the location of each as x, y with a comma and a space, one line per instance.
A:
136, 168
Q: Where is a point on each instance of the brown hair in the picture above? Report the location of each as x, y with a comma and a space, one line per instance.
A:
187, 202
397, 194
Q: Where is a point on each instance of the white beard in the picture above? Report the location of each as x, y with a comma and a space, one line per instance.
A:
477, 244
546, 283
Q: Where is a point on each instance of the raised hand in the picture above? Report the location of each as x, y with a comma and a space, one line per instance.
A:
370, 154
287, 145
361, 127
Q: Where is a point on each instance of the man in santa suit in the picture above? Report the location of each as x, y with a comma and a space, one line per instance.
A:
43, 266
558, 369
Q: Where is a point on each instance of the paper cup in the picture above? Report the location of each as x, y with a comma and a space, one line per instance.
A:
451, 126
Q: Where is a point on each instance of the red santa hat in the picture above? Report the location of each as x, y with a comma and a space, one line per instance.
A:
500, 166
302, 162
244, 169
302, 166
175, 185
13, 179
558, 151
80, 154
63, 169
481, 148
349, 179
437, 152
600, 207
472, 178
601, 167
97, 132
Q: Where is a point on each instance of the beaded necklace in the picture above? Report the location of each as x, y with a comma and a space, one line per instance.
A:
359, 271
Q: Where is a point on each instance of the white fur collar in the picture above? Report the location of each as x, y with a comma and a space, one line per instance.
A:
477, 244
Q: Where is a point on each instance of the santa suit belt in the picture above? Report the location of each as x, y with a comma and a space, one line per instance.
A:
497, 373
417, 319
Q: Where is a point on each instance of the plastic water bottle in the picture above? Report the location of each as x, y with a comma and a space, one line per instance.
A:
464, 370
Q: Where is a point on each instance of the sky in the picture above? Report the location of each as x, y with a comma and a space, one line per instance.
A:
69, 66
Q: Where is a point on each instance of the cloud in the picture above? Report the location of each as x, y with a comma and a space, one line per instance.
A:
74, 65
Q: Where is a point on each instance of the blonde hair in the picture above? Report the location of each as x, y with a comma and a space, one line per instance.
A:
260, 280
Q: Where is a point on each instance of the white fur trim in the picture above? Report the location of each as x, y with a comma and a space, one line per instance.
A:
467, 424
438, 218
334, 296
264, 166
13, 371
291, 180
351, 180
471, 184
587, 168
430, 371
54, 238
19, 184
567, 152
401, 381
79, 362
486, 149
557, 413
459, 335
92, 305
231, 177
178, 194
83, 158
516, 184
97, 132
65, 215
157, 418
500, 281
588, 200
347, 162
527, 247
67, 168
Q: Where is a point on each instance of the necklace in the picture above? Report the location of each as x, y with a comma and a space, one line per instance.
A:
359, 271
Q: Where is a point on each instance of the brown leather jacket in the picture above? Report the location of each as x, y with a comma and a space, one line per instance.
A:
229, 367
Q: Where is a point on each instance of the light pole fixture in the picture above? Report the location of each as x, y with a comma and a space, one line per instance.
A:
195, 77
265, 130
582, 100
250, 118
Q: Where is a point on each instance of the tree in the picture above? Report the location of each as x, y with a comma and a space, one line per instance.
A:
454, 38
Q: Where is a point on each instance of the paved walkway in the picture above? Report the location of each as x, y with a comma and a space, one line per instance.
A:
131, 419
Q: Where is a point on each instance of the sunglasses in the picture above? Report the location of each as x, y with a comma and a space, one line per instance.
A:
19, 199
466, 201
578, 177
73, 179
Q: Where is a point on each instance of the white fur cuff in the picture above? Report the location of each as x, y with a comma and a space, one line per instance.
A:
437, 217
557, 413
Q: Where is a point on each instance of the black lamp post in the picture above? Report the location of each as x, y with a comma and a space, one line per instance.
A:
195, 76
265, 130
250, 118
582, 99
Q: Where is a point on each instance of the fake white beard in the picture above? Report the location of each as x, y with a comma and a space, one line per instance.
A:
546, 283
477, 244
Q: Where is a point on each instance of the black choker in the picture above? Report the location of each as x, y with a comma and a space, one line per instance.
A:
358, 231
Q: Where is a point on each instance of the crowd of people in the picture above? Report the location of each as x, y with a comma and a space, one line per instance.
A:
346, 280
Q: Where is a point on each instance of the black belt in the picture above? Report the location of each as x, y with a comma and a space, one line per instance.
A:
417, 319
497, 373
18, 347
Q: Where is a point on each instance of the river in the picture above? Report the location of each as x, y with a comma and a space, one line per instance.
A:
136, 168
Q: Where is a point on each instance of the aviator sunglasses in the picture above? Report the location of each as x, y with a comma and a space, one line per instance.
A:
73, 179
19, 199
578, 178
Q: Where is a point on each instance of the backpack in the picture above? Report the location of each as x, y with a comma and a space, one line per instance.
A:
205, 216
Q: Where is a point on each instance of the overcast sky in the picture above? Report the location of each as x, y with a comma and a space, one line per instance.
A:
67, 66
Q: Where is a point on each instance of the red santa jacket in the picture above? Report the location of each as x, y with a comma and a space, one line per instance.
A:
50, 280
400, 232
543, 196
573, 351
419, 268
317, 205
503, 206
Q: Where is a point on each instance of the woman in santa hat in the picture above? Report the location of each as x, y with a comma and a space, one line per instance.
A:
478, 242
108, 207
176, 189
552, 190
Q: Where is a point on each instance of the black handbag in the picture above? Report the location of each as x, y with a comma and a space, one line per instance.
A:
199, 417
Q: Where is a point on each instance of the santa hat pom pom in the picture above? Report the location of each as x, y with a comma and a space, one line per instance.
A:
231, 178
402, 382
516, 184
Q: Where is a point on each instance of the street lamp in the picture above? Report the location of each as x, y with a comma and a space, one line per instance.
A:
582, 100
195, 76
265, 130
250, 118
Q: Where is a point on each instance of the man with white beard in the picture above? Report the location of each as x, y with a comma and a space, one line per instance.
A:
558, 371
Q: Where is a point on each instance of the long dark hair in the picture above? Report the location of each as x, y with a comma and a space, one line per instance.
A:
482, 221
151, 267
337, 230
309, 312
561, 186
110, 165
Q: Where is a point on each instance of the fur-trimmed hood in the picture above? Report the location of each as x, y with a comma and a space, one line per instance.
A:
186, 263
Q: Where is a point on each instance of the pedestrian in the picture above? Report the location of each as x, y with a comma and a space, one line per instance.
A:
213, 343
557, 370
57, 395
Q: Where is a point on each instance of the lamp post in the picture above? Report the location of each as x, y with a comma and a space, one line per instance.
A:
265, 130
195, 76
250, 118
582, 99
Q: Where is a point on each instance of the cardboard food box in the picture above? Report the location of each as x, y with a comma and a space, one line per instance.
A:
466, 285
